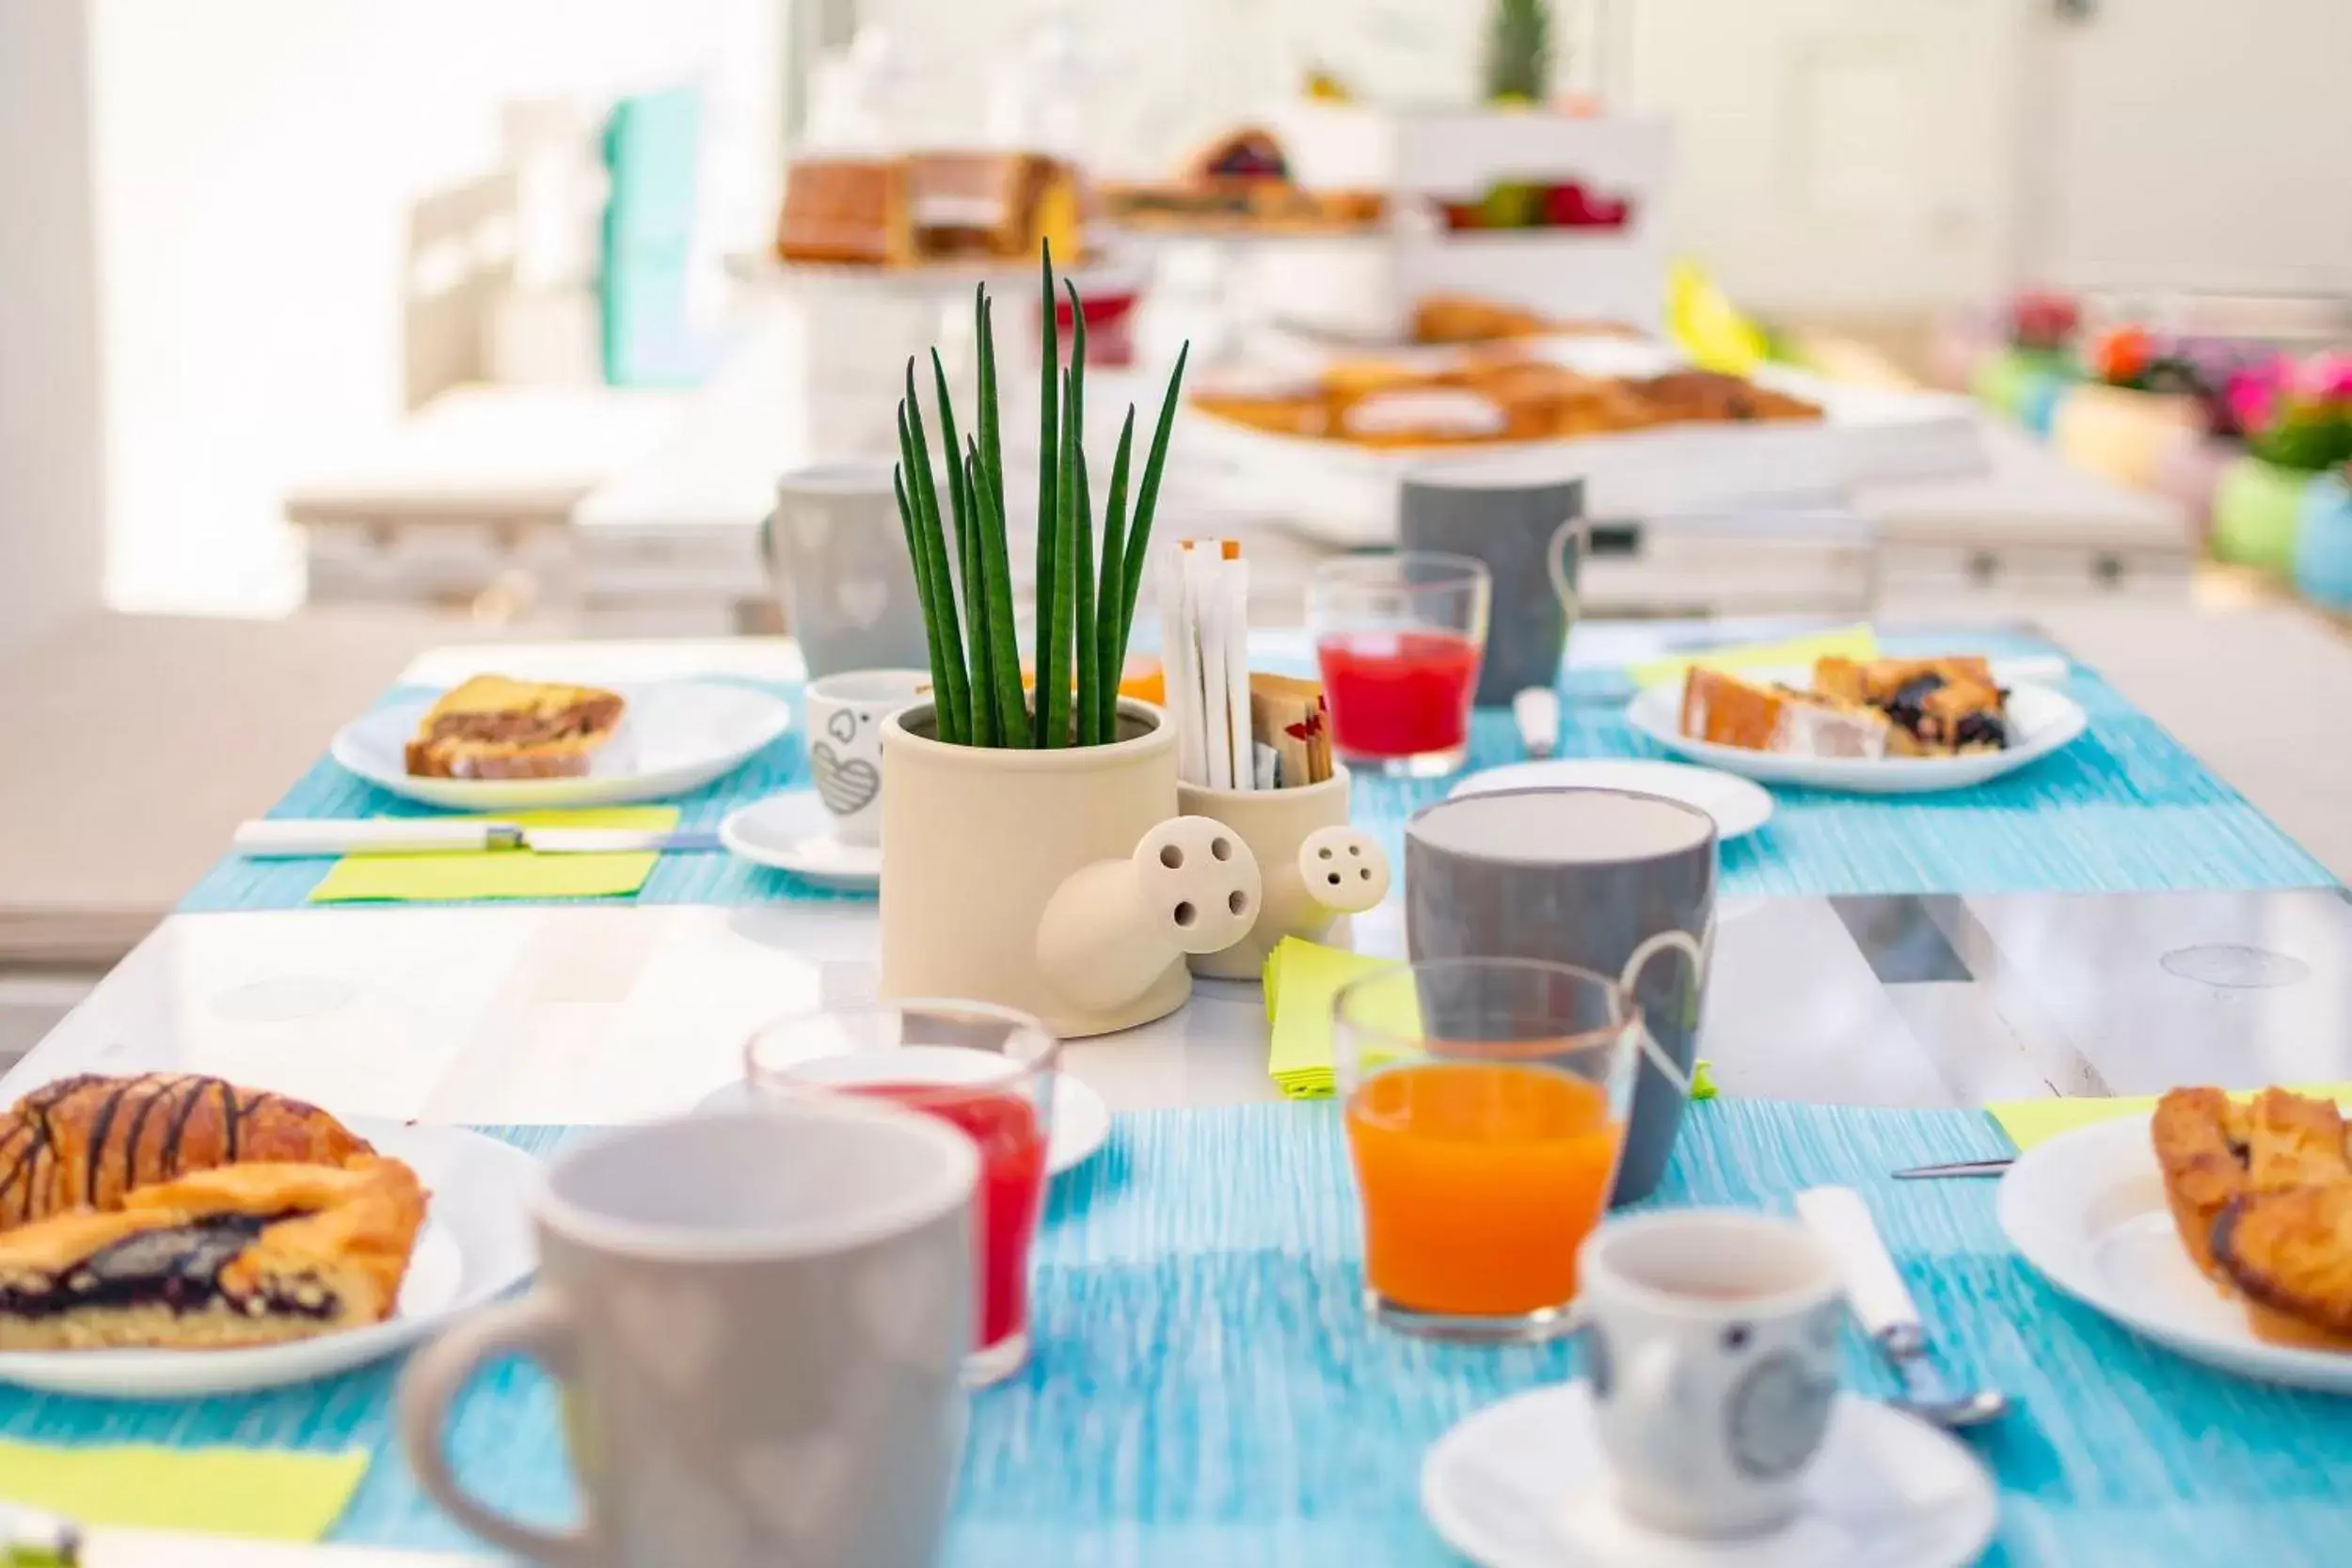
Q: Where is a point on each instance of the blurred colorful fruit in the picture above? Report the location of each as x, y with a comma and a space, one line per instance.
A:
2123, 355
1513, 204
1567, 206
2039, 319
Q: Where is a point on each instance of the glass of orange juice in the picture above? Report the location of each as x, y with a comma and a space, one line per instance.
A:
1485, 1106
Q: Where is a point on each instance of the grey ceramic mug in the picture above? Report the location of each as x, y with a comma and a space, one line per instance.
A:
838, 557
1584, 876
759, 1319
1531, 534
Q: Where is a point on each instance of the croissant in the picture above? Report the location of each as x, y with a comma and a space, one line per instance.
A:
84, 1142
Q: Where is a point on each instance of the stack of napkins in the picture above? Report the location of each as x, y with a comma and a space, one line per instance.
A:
1301, 980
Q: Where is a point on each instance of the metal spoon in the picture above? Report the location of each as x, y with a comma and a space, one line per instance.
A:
1882, 1303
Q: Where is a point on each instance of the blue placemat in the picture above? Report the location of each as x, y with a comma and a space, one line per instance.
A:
1207, 1390
2125, 809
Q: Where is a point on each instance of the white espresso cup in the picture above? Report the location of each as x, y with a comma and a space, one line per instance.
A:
1710, 1338
845, 714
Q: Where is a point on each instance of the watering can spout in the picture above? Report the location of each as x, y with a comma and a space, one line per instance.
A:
1113, 926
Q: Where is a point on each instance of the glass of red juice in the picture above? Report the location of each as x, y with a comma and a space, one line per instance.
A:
1399, 638
988, 1070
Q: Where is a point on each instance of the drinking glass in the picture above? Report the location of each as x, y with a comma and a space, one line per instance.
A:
1486, 1107
988, 1070
1399, 638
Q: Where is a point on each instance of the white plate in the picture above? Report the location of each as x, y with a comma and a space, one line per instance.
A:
793, 831
1082, 1122
2040, 722
1737, 806
475, 1244
674, 737
1523, 1484
2087, 1210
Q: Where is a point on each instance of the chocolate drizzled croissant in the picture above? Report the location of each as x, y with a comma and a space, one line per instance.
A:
82, 1142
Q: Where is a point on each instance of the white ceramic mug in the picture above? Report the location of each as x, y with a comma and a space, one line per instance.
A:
759, 1318
845, 714
1710, 1337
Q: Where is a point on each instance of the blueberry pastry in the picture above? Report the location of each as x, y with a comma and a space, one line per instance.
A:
82, 1143
245, 1254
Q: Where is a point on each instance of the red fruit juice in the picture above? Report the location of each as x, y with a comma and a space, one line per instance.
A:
1013, 1180
1398, 693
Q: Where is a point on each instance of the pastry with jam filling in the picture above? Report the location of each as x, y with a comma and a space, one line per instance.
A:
85, 1142
243, 1255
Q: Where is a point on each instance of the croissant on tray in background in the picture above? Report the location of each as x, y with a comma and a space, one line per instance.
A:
84, 1142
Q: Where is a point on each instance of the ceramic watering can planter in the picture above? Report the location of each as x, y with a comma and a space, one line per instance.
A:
1317, 870
1062, 883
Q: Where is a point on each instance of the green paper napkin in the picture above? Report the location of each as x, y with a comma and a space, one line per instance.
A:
2029, 1122
258, 1494
1301, 979
468, 875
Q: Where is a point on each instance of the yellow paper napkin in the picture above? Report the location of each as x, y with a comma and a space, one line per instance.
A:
1301, 978
1855, 642
256, 1492
472, 874
2029, 1122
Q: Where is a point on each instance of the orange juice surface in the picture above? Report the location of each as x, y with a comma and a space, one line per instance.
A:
1479, 1180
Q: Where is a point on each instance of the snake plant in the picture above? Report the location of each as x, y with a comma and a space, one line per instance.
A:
1086, 587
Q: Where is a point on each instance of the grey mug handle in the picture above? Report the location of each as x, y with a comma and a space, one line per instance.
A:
536, 1325
1577, 532
1630, 977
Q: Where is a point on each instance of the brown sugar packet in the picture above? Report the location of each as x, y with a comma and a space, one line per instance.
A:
1288, 714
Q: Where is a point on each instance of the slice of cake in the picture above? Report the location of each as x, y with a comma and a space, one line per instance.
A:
496, 728
245, 1254
1727, 711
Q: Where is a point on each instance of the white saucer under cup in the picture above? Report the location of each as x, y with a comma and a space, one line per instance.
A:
794, 833
1524, 1484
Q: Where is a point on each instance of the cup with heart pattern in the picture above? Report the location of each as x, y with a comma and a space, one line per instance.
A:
845, 714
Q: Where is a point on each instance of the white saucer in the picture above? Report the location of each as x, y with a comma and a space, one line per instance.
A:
1739, 806
1082, 1122
793, 831
1523, 1484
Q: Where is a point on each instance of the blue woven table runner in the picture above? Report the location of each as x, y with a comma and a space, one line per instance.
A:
1207, 1390
2125, 809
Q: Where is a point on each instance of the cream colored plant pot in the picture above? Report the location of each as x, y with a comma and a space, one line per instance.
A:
1317, 869
1062, 883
